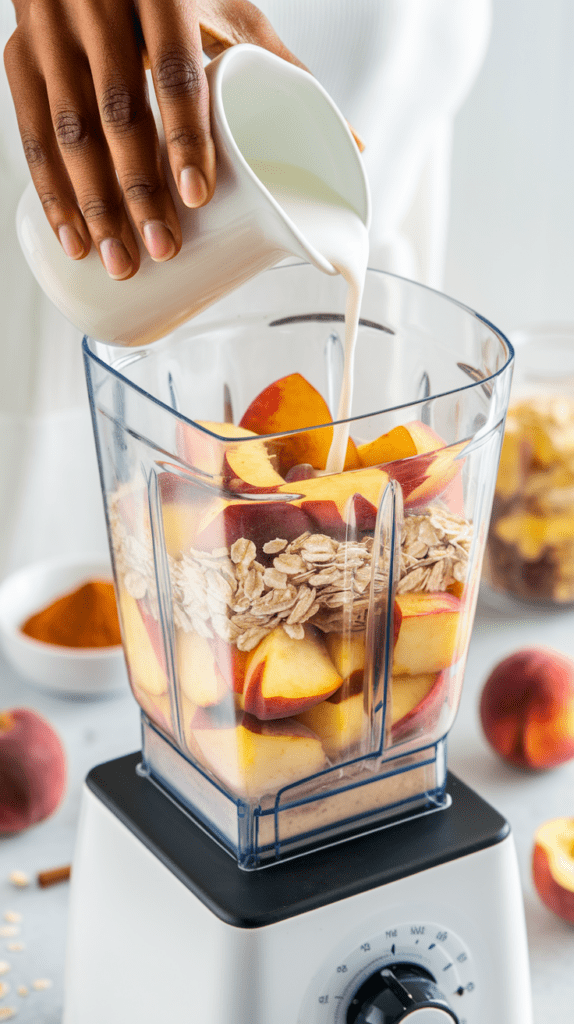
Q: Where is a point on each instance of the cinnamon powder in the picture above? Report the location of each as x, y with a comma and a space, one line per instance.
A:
85, 617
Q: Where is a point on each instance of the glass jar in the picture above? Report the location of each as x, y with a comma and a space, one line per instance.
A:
530, 549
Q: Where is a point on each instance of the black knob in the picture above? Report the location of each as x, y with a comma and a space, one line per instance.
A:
396, 993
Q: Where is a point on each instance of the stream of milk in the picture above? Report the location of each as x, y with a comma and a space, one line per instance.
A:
328, 224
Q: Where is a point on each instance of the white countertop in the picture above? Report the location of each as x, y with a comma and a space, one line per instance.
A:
96, 731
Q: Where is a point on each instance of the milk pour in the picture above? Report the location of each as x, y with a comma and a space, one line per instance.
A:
337, 232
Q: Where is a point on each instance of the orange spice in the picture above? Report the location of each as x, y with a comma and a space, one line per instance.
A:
85, 617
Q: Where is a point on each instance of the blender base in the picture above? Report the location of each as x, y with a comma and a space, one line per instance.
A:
165, 926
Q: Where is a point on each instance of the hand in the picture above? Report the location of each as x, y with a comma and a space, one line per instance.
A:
76, 69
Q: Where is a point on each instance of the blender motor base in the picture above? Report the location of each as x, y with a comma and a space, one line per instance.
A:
165, 926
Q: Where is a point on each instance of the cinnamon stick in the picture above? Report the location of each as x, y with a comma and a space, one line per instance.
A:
54, 875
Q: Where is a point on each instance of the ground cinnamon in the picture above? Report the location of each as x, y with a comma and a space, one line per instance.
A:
86, 617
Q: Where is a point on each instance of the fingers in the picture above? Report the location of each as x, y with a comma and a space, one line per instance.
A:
129, 133
90, 137
174, 49
42, 153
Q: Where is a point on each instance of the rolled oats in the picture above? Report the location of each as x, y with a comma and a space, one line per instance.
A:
313, 579
289, 564
275, 579
295, 631
272, 547
243, 551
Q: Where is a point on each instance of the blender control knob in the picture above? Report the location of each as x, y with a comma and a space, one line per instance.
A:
401, 992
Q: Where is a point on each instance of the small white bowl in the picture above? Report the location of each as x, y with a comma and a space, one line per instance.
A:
77, 671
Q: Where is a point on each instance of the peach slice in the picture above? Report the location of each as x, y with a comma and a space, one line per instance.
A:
253, 758
245, 466
339, 721
157, 708
204, 452
397, 444
416, 456
224, 522
553, 866
284, 676
527, 708
144, 655
333, 501
416, 702
347, 652
428, 633
198, 672
32, 769
407, 692
291, 404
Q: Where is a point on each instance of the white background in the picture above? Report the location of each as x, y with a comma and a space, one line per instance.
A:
510, 251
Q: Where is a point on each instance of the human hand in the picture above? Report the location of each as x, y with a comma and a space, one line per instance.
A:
76, 69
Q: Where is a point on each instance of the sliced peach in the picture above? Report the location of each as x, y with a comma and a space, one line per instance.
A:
428, 633
284, 676
197, 446
417, 457
253, 758
226, 521
199, 676
328, 499
553, 866
347, 652
157, 707
397, 444
143, 647
291, 404
415, 703
339, 721
407, 692
245, 466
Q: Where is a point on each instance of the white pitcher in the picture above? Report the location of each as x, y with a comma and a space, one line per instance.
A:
262, 109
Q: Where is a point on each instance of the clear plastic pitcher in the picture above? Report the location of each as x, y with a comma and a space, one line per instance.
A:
297, 640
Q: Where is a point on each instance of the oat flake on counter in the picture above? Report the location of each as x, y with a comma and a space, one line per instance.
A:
20, 879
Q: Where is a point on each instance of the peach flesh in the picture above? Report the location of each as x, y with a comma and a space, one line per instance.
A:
553, 866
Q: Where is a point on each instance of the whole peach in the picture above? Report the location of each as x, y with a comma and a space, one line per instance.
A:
527, 708
553, 866
32, 769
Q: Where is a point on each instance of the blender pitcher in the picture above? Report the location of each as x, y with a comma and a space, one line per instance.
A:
297, 639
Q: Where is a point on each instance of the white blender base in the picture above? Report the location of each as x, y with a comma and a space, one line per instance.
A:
143, 949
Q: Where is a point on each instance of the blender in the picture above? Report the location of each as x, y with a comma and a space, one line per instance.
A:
288, 847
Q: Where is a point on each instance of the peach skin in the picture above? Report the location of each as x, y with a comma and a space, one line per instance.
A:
428, 633
32, 770
284, 676
527, 708
553, 866
291, 404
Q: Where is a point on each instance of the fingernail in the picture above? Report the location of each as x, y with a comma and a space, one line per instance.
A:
192, 186
159, 240
70, 241
116, 258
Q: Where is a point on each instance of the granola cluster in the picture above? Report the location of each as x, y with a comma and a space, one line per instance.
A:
240, 595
